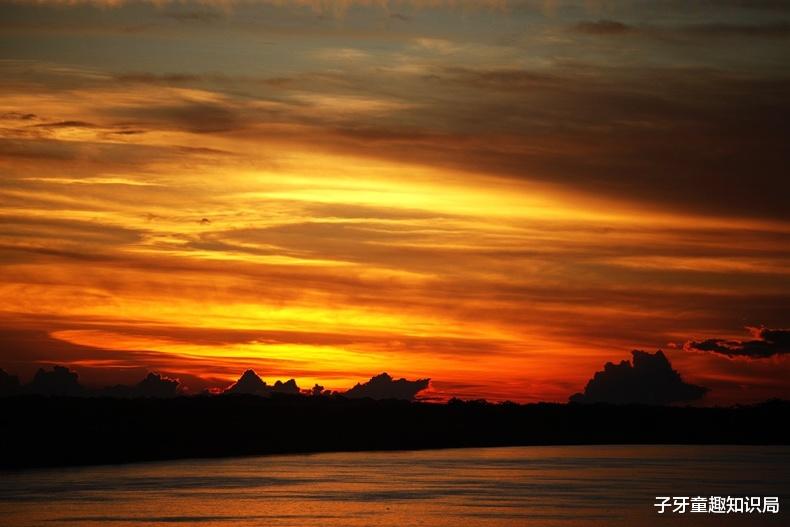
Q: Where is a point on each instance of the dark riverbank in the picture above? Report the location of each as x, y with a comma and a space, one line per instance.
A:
44, 431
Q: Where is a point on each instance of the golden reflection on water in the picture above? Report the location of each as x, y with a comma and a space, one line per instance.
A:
525, 486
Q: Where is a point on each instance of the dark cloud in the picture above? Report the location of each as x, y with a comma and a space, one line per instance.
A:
193, 15
768, 30
37, 150
650, 133
19, 116
127, 132
22, 349
498, 80
66, 124
780, 29
9, 384
203, 117
288, 387
385, 387
154, 385
766, 343
60, 381
352, 211
318, 390
602, 27
81, 233
650, 379
195, 117
251, 384
768, 5
150, 78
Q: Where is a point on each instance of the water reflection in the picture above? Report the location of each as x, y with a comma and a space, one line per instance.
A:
547, 486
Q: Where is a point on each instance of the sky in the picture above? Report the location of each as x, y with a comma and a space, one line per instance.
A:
500, 196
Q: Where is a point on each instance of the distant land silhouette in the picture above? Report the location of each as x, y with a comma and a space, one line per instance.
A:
53, 420
51, 431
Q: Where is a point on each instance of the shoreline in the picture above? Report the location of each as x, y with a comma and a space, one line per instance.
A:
43, 432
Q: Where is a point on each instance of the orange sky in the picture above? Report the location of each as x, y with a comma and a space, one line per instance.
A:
500, 197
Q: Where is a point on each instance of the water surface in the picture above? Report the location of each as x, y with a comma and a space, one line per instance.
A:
524, 486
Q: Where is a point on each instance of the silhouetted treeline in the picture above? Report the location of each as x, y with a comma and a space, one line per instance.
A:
48, 431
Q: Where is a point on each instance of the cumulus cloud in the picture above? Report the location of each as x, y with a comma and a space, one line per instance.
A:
650, 379
251, 384
9, 384
383, 386
288, 387
59, 381
154, 385
318, 390
602, 27
765, 343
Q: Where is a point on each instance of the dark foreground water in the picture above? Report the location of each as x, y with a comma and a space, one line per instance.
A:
524, 486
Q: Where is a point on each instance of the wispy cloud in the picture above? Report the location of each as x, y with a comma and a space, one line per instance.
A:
496, 209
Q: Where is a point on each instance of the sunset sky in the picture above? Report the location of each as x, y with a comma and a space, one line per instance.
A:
499, 195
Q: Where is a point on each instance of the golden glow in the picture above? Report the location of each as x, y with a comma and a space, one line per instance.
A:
332, 199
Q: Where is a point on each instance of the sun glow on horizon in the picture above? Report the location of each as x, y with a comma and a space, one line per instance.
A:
328, 190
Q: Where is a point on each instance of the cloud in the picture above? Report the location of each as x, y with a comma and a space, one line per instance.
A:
586, 127
631, 128
19, 346
81, 233
706, 30
195, 117
9, 384
19, 116
767, 5
60, 381
66, 124
150, 78
767, 30
22, 350
602, 27
317, 390
288, 387
766, 343
650, 379
251, 384
186, 16
305, 228
334, 6
154, 385
384, 387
